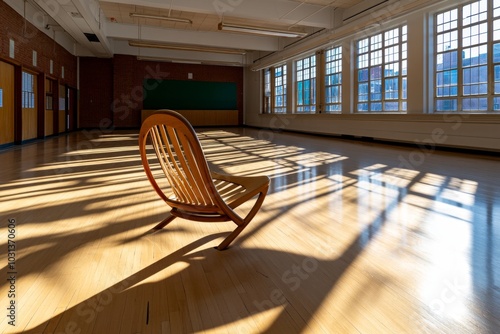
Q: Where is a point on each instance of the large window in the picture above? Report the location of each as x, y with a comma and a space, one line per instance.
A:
464, 72
28, 90
267, 91
381, 71
280, 89
333, 80
467, 73
305, 71
275, 89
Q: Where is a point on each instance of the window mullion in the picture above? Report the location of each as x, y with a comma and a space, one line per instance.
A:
401, 62
369, 95
460, 69
272, 85
320, 81
490, 65
382, 75
355, 100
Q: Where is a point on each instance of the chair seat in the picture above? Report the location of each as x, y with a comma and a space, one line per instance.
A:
235, 190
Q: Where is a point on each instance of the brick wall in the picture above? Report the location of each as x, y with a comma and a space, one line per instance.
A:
129, 73
27, 39
96, 92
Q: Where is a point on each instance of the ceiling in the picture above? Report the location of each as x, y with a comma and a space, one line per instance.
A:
110, 27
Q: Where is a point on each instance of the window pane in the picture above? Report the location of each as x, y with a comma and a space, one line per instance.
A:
306, 84
496, 104
376, 106
446, 105
447, 20
333, 79
475, 104
391, 106
333, 108
391, 89
391, 70
475, 12
447, 60
363, 61
376, 90
475, 34
280, 89
362, 106
404, 94
27, 90
363, 92
376, 57
479, 80
392, 54
376, 73
384, 58
363, 75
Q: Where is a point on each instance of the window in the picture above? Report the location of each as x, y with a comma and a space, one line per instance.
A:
467, 78
381, 71
280, 89
267, 91
275, 89
305, 71
333, 80
28, 90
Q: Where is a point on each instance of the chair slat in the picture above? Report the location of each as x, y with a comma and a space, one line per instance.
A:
185, 168
178, 162
198, 182
162, 142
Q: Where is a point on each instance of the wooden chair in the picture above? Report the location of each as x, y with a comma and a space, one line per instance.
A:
191, 189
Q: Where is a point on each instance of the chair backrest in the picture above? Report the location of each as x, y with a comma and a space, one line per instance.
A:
181, 158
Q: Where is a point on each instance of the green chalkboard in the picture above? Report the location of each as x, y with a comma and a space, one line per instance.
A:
189, 95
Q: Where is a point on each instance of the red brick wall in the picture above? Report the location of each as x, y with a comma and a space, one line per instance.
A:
28, 39
129, 73
96, 92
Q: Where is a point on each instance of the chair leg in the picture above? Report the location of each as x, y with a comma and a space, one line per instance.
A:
258, 203
226, 242
163, 223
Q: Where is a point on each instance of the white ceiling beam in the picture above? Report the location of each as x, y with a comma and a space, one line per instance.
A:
93, 15
122, 47
273, 11
60, 13
206, 38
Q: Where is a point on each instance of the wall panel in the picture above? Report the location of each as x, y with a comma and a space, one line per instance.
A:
49, 122
96, 91
30, 117
6, 103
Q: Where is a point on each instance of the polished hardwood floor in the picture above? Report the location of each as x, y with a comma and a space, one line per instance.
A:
353, 237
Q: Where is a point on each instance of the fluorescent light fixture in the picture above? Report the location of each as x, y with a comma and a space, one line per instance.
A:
186, 61
260, 30
185, 47
170, 60
190, 61
161, 17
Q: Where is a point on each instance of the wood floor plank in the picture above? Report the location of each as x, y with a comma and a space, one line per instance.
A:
352, 238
